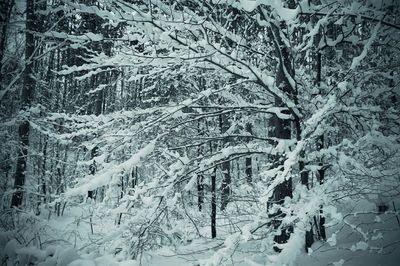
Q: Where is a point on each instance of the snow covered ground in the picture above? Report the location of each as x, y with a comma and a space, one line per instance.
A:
363, 238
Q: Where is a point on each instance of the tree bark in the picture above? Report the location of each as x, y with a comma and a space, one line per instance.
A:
249, 169
282, 130
200, 191
44, 170
5, 14
225, 167
92, 169
26, 100
213, 204
200, 177
320, 146
321, 175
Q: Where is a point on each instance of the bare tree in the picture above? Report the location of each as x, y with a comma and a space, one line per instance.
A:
26, 101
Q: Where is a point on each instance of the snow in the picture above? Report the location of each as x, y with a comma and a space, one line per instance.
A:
105, 177
146, 208
359, 246
357, 60
66, 257
10, 248
249, 5
290, 252
342, 86
338, 263
332, 240
345, 251
286, 14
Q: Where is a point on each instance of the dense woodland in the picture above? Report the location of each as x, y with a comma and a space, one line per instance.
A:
199, 132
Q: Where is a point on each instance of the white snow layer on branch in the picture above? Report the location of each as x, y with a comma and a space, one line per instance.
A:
290, 251
357, 60
286, 14
105, 177
249, 5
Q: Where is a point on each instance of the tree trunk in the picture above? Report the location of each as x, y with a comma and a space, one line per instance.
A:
321, 174
43, 180
98, 107
213, 204
249, 169
26, 100
92, 169
5, 14
200, 191
134, 176
320, 146
282, 130
225, 167
200, 177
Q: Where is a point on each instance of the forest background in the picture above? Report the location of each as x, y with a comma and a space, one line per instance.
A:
251, 132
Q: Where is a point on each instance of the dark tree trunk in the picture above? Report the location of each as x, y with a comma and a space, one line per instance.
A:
200, 191
304, 175
316, 67
225, 167
98, 107
249, 169
320, 146
200, 177
58, 176
321, 174
213, 195
134, 176
92, 169
282, 130
26, 100
226, 184
20, 172
43, 180
5, 14
213, 204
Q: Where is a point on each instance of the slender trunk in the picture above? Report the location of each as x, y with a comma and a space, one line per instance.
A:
249, 169
122, 102
200, 191
44, 190
320, 146
225, 186
225, 167
213, 204
58, 178
98, 107
304, 175
213, 196
200, 177
134, 176
26, 100
309, 236
92, 169
321, 174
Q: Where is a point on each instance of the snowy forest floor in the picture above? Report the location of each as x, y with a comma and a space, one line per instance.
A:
363, 238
